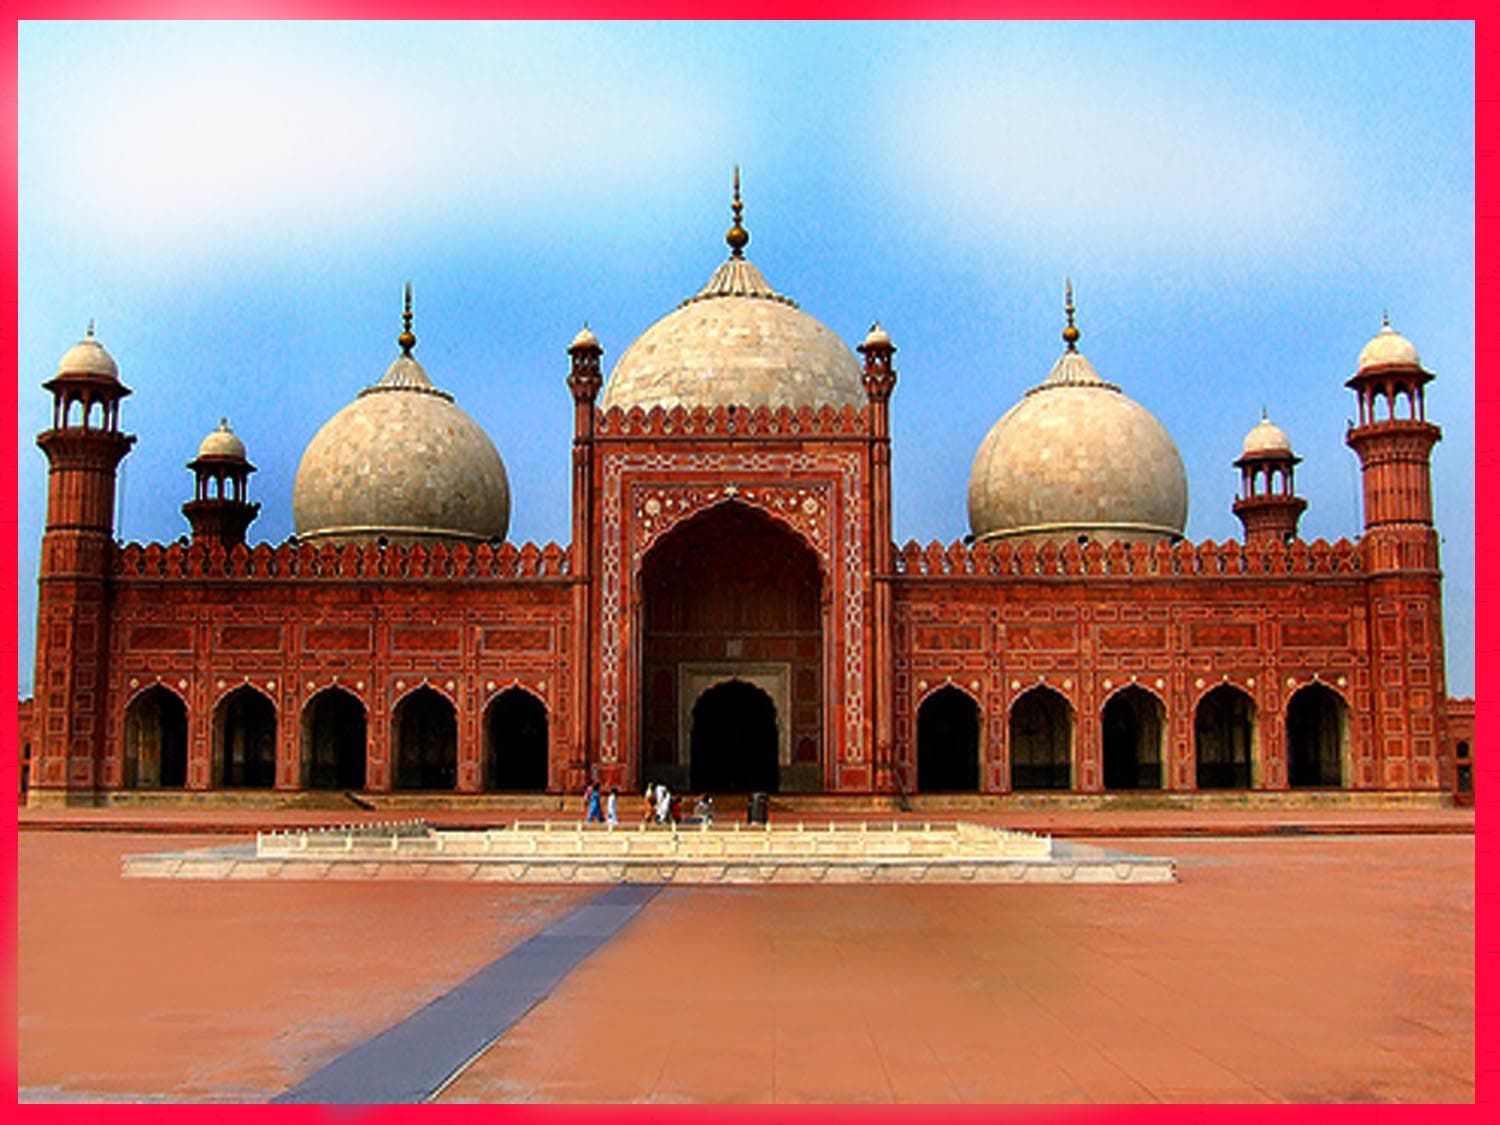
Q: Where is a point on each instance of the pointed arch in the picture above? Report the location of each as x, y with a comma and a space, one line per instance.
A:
1041, 740
733, 740
244, 740
156, 724
424, 726
334, 740
515, 742
1317, 738
948, 742
1133, 725
1224, 738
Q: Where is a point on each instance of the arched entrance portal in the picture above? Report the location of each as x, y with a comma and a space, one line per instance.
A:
515, 732
1223, 737
1133, 724
1041, 741
245, 740
333, 741
1316, 724
156, 740
731, 594
426, 730
947, 742
733, 743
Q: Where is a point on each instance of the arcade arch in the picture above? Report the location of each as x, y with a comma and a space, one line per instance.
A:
515, 742
1041, 740
425, 726
333, 741
156, 740
1133, 724
1317, 738
1224, 739
948, 742
244, 740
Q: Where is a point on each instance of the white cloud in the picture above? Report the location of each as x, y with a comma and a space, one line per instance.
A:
1103, 157
181, 139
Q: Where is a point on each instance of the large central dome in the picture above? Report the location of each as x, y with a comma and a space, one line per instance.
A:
737, 342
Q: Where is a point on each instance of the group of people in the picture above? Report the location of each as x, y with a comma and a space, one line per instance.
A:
600, 807
661, 806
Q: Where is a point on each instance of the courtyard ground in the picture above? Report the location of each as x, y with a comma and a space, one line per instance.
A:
1293, 967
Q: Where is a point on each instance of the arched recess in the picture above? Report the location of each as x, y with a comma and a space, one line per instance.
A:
156, 740
244, 740
1224, 739
948, 742
731, 593
333, 741
1041, 740
425, 726
515, 742
1317, 738
733, 742
1133, 725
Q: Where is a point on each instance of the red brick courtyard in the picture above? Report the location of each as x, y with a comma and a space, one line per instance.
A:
1308, 968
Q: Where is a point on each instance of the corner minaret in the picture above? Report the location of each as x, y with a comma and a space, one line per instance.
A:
1394, 442
1268, 504
219, 510
880, 381
83, 447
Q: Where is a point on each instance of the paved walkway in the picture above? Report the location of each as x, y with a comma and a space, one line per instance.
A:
411, 1061
1280, 969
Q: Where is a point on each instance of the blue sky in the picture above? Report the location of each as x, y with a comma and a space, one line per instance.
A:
238, 205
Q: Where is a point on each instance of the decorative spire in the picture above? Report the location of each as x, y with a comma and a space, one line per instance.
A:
89, 335
738, 237
1385, 319
1070, 333
407, 340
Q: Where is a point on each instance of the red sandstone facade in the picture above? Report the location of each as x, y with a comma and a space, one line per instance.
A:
723, 546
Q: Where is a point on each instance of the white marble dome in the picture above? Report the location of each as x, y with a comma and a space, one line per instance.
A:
736, 343
88, 357
1388, 348
222, 443
404, 463
1266, 437
1076, 458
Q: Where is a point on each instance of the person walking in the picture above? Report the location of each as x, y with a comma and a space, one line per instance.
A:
596, 813
611, 812
648, 814
663, 805
588, 797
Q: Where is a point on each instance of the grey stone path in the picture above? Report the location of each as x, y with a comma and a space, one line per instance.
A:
412, 1060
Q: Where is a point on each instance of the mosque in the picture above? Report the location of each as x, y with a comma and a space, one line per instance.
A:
732, 613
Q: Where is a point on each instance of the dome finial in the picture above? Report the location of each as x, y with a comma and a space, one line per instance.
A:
1385, 318
90, 333
738, 237
1070, 333
407, 340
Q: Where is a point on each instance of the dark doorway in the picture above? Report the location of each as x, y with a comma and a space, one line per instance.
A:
156, 741
333, 741
426, 741
516, 757
1041, 741
1315, 724
731, 586
1133, 725
245, 740
1223, 737
733, 743
948, 743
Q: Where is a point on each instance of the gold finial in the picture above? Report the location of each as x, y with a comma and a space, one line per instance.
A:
90, 333
738, 237
223, 423
1070, 333
1265, 415
407, 340
1385, 318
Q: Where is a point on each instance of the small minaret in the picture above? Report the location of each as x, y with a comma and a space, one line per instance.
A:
585, 377
880, 381
1394, 442
219, 510
84, 447
1268, 504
